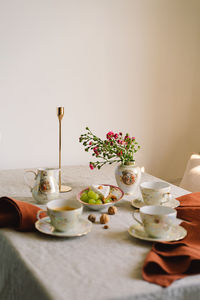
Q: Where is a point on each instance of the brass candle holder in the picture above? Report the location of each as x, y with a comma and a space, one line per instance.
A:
62, 188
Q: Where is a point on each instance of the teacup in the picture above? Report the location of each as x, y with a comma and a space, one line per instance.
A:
64, 214
155, 193
157, 221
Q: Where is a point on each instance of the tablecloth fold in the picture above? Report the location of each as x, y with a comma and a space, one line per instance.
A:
18, 214
169, 261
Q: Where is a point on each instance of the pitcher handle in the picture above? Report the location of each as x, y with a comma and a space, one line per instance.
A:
138, 221
25, 179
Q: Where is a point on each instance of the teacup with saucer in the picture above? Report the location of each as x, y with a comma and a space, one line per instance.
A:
64, 219
155, 193
157, 223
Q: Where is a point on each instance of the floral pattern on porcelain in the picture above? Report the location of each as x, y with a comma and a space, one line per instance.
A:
151, 197
62, 221
128, 178
157, 226
46, 187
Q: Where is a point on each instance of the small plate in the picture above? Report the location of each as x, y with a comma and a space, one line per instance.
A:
115, 191
177, 233
138, 203
81, 228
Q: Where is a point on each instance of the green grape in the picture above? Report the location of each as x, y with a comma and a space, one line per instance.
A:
108, 200
96, 196
98, 201
92, 201
84, 197
92, 195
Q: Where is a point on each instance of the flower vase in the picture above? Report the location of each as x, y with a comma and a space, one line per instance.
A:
128, 178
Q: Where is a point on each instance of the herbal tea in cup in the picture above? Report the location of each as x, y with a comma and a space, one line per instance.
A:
64, 208
64, 214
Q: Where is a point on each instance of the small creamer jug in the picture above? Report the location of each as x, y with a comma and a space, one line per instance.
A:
46, 186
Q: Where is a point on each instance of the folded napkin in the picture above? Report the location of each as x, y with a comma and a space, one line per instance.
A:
17, 214
169, 261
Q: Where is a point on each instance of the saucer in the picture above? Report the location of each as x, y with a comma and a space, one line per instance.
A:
81, 228
138, 203
177, 233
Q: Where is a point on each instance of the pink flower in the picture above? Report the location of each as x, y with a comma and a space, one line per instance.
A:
109, 135
95, 149
120, 142
91, 166
126, 138
116, 136
133, 138
119, 153
90, 143
120, 133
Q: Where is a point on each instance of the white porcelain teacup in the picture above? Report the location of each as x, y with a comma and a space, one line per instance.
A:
64, 213
157, 221
155, 193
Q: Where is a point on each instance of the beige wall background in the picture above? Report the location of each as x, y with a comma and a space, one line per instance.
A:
121, 65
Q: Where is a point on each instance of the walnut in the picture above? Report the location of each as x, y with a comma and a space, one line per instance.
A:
113, 197
105, 226
112, 210
104, 219
92, 218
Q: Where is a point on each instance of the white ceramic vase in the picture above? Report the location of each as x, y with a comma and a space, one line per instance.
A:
128, 178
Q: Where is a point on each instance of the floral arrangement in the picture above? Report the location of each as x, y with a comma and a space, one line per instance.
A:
117, 147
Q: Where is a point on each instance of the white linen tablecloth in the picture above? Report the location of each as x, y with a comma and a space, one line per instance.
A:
104, 264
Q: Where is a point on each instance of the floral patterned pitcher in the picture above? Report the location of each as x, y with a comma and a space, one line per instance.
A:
46, 185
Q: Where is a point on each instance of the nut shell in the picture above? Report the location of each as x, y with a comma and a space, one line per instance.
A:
105, 226
92, 218
104, 219
112, 210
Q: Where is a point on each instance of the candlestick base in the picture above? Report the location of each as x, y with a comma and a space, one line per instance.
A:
65, 189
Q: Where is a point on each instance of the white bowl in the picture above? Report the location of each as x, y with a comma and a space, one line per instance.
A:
115, 191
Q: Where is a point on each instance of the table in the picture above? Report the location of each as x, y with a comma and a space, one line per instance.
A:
105, 264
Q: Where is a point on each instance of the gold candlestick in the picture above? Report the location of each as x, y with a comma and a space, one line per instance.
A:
62, 188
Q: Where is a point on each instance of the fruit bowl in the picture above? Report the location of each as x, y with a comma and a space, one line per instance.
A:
114, 190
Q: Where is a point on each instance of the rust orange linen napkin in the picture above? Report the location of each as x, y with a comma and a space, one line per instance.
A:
18, 214
169, 261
